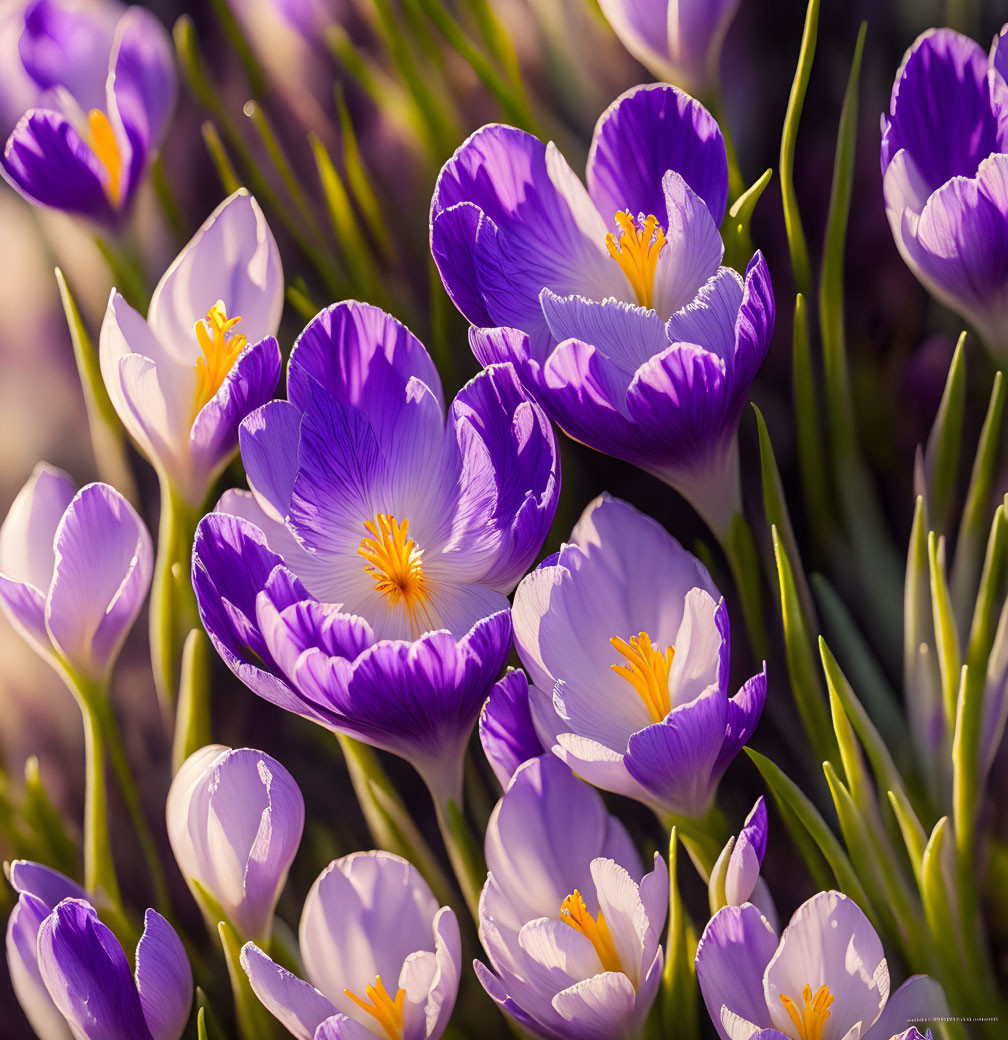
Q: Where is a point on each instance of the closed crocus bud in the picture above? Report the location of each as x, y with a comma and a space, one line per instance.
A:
74, 571
235, 819
677, 40
382, 958
40, 890
183, 379
88, 976
735, 878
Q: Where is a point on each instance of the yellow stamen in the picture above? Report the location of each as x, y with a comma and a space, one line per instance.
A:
220, 352
387, 1010
636, 251
106, 148
647, 671
574, 912
396, 564
810, 1020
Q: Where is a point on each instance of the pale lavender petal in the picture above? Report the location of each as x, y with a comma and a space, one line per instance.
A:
747, 856
919, 998
269, 439
299, 1007
598, 1008
27, 535
163, 978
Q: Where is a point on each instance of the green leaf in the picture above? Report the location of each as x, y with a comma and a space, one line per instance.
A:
911, 830
716, 895
679, 983
359, 180
941, 458
946, 631
797, 245
787, 792
216, 149
803, 669
254, 1021
192, 717
735, 230
858, 784
969, 545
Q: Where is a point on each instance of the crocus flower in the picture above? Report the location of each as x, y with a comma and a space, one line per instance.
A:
571, 924
611, 302
40, 890
676, 40
89, 979
74, 571
825, 977
235, 819
205, 357
107, 93
363, 582
735, 878
506, 729
381, 957
945, 175
626, 642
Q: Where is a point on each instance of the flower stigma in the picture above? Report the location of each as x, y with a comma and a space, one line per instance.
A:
386, 1010
574, 911
637, 250
809, 1022
647, 671
106, 148
392, 558
220, 352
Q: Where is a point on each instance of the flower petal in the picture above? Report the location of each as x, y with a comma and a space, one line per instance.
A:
163, 978
299, 1007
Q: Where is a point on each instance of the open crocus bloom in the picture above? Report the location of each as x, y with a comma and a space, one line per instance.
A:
183, 379
826, 978
235, 819
569, 920
40, 890
626, 642
611, 302
945, 175
381, 957
677, 40
74, 570
89, 979
107, 81
363, 582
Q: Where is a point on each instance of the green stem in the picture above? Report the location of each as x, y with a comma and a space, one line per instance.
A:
99, 868
254, 1021
173, 611
743, 560
463, 851
703, 838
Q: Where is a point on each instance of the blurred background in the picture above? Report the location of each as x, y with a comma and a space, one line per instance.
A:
376, 85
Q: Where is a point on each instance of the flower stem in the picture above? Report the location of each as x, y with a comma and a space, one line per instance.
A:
173, 611
99, 867
703, 838
743, 559
254, 1021
463, 851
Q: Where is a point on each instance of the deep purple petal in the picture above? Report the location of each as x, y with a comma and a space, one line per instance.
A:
643, 134
453, 235
744, 711
163, 978
506, 730
47, 162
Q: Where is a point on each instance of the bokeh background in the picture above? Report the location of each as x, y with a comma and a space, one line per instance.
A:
573, 66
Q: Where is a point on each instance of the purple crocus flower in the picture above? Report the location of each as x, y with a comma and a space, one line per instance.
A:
363, 582
611, 302
205, 357
74, 571
89, 980
569, 920
107, 93
826, 976
676, 40
381, 957
506, 729
626, 642
235, 819
40, 890
735, 878
945, 175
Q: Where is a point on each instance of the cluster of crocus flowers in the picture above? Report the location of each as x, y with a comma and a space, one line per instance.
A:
611, 301
362, 583
627, 645
206, 356
826, 976
676, 40
70, 973
75, 567
106, 85
569, 920
382, 959
945, 171
235, 818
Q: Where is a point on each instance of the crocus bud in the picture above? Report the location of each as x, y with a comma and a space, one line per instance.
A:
40, 890
89, 979
235, 819
735, 878
74, 570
